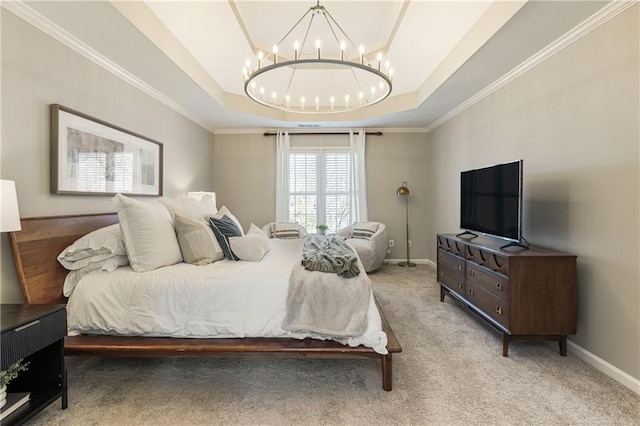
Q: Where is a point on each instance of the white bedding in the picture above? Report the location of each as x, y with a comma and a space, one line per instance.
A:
222, 299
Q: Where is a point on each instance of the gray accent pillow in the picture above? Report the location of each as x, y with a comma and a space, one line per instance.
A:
198, 244
364, 230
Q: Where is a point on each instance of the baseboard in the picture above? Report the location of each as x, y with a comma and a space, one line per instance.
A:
605, 367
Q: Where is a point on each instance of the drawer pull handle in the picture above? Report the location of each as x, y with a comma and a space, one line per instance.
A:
459, 285
459, 267
22, 327
471, 292
441, 273
499, 287
498, 310
441, 257
471, 273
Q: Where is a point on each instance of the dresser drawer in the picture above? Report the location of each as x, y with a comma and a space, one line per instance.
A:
26, 339
492, 305
453, 279
492, 282
451, 261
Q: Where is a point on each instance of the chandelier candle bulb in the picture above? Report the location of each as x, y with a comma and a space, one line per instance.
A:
318, 47
379, 60
332, 100
342, 47
317, 103
361, 54
296, 47
302, 103
275, 54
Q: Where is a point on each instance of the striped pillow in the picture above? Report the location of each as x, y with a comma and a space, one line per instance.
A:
224, 229
287, 230
364, 230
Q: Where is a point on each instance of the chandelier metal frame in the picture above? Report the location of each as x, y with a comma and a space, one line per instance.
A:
364, 99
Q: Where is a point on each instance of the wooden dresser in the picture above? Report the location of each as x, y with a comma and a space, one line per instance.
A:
523, 294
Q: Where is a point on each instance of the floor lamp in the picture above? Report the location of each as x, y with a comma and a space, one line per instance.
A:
403, 191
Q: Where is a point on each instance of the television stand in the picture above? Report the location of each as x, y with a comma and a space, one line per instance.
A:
467, 233
523, 294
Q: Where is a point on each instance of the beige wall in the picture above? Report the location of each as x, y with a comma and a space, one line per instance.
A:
244, 172
574, 119
38, 71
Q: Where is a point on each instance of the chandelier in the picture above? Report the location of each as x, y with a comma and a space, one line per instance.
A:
302, 76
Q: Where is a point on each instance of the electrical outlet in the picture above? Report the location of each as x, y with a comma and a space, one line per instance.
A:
392, 244
409, 243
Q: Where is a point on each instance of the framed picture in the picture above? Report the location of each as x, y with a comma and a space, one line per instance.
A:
92, 157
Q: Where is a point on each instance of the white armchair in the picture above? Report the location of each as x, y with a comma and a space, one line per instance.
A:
371, 251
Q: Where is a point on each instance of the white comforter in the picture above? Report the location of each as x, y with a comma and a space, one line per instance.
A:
222, 299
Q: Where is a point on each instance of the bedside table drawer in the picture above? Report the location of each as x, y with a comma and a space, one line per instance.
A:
33, 336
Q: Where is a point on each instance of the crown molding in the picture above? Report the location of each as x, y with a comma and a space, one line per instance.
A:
603, 15
23, 11
319, 130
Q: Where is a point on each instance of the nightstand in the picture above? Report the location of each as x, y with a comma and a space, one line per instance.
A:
35, 333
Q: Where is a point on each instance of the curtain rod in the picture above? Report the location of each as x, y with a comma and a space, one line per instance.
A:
322, 133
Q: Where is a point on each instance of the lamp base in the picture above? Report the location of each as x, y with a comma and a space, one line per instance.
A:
407, 264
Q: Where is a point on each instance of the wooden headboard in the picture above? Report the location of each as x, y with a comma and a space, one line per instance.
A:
36, 248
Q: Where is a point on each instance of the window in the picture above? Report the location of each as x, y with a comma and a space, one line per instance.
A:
320, 188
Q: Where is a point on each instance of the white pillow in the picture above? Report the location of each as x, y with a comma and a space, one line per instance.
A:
209, 202
148, 234
207, 198
252, 247
109, 265
224, 211
186, 207
98, 245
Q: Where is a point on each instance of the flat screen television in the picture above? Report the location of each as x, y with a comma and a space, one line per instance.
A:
491, 201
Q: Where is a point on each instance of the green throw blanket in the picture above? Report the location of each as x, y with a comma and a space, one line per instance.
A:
329, 254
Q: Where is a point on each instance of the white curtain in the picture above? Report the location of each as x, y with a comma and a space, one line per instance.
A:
358, 176
283, 146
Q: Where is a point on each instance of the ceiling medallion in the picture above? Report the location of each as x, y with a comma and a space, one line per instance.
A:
318, 78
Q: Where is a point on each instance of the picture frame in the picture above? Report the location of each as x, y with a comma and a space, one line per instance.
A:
92, 157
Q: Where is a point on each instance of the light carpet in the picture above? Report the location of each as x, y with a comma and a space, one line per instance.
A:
451, 372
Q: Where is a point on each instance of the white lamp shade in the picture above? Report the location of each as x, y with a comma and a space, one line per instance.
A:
198, 195
10, 218
208, 198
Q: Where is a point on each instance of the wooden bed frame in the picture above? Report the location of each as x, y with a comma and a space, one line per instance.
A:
36, 247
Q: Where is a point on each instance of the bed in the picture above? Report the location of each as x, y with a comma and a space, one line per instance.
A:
36, 247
